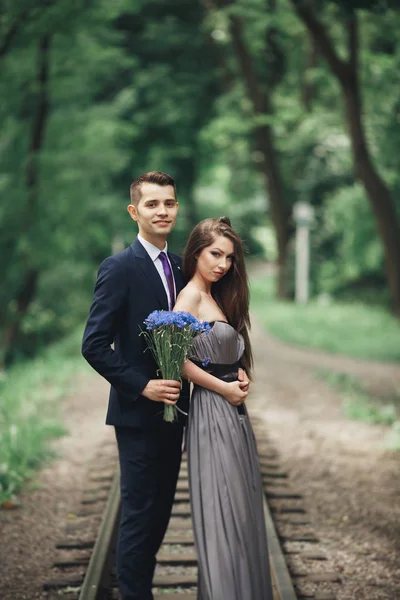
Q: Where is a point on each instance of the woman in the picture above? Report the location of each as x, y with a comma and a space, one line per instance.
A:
224, 475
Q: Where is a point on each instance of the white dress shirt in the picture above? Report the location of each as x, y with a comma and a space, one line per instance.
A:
154, 254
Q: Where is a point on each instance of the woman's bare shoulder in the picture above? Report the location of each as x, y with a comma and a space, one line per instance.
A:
190, 291
189, 299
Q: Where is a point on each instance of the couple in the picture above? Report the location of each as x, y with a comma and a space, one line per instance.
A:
224, 475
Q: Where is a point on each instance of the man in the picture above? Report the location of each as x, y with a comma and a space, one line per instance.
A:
130, 285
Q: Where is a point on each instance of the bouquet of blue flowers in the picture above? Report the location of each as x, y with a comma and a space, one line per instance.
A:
170, 335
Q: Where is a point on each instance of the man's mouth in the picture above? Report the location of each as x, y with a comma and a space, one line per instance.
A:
162, 222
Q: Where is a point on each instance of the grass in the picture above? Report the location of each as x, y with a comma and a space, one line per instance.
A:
349, 328
360, 405
393, 439
30, 411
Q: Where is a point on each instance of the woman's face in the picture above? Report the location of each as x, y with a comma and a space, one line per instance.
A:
215, 260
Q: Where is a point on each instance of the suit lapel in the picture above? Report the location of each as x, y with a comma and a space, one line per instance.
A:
150, 272
178, 276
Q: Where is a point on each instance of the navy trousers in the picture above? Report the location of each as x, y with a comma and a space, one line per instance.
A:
149, 462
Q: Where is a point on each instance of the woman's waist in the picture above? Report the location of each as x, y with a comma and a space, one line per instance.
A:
225, 371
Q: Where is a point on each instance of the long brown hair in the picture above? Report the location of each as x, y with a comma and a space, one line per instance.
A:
231, 292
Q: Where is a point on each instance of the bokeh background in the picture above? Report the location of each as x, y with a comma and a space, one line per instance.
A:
251, 105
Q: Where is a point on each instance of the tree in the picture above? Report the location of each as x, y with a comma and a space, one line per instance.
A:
260, 89
347, 74
30, 275
44, 171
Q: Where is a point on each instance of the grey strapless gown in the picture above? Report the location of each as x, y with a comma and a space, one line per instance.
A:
225, 485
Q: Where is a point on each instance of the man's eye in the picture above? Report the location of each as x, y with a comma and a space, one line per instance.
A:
171, 204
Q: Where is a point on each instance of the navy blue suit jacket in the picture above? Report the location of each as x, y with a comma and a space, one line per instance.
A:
127, 290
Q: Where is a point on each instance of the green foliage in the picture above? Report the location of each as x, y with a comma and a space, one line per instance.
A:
347, 252
377, 6
359, 404
348, 328
393, 438
66, 219
30, 411
139, 86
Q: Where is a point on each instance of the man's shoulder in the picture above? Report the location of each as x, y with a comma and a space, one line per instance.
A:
175, 257
118, 262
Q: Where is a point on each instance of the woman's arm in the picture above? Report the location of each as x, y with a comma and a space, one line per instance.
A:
235, 392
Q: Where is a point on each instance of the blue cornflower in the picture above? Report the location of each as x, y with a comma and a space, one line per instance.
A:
170, 336
160, 318
206, 361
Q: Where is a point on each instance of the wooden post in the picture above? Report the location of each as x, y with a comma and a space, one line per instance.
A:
303, 214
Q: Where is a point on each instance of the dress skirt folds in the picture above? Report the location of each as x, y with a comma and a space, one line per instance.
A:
225, 484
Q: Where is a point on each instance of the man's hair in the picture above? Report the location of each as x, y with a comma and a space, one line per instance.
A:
156, 177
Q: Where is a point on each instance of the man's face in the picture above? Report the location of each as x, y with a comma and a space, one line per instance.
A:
156, 212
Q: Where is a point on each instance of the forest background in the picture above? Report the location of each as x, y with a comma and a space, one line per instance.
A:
252, 105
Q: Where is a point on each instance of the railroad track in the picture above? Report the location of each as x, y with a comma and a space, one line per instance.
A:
299, 568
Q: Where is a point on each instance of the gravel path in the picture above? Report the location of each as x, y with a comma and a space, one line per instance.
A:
351, 484
381, 378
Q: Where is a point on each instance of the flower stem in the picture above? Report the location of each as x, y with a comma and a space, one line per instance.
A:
170, 413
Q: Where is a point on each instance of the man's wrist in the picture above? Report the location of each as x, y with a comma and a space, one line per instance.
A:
147, 383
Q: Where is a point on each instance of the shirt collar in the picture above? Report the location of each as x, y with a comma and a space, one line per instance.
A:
152, 250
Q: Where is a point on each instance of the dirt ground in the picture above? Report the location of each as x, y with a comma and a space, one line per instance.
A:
350, 483
28, 534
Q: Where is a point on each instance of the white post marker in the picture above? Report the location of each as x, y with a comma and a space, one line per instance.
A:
303, 214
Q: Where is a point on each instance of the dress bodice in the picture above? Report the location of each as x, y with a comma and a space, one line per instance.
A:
223, 345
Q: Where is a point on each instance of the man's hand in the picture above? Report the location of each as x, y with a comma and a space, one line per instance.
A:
162, 390
242, 376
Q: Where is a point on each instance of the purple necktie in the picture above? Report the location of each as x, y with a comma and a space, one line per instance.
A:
170, 278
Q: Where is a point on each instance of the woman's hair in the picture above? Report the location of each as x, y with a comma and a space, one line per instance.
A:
231, 292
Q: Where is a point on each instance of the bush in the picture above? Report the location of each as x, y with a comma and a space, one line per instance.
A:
30, 411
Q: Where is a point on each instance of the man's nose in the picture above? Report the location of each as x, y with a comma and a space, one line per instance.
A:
162, 210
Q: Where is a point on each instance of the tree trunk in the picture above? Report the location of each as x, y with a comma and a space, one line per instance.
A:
25, 296
30, 277
19, 21
280, 213
376, 189
265, 144
262, 134
308, 90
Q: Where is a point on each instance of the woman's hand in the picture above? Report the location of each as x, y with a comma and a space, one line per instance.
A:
234, 392
242, 376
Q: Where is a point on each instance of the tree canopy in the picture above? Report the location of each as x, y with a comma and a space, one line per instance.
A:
251, 106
